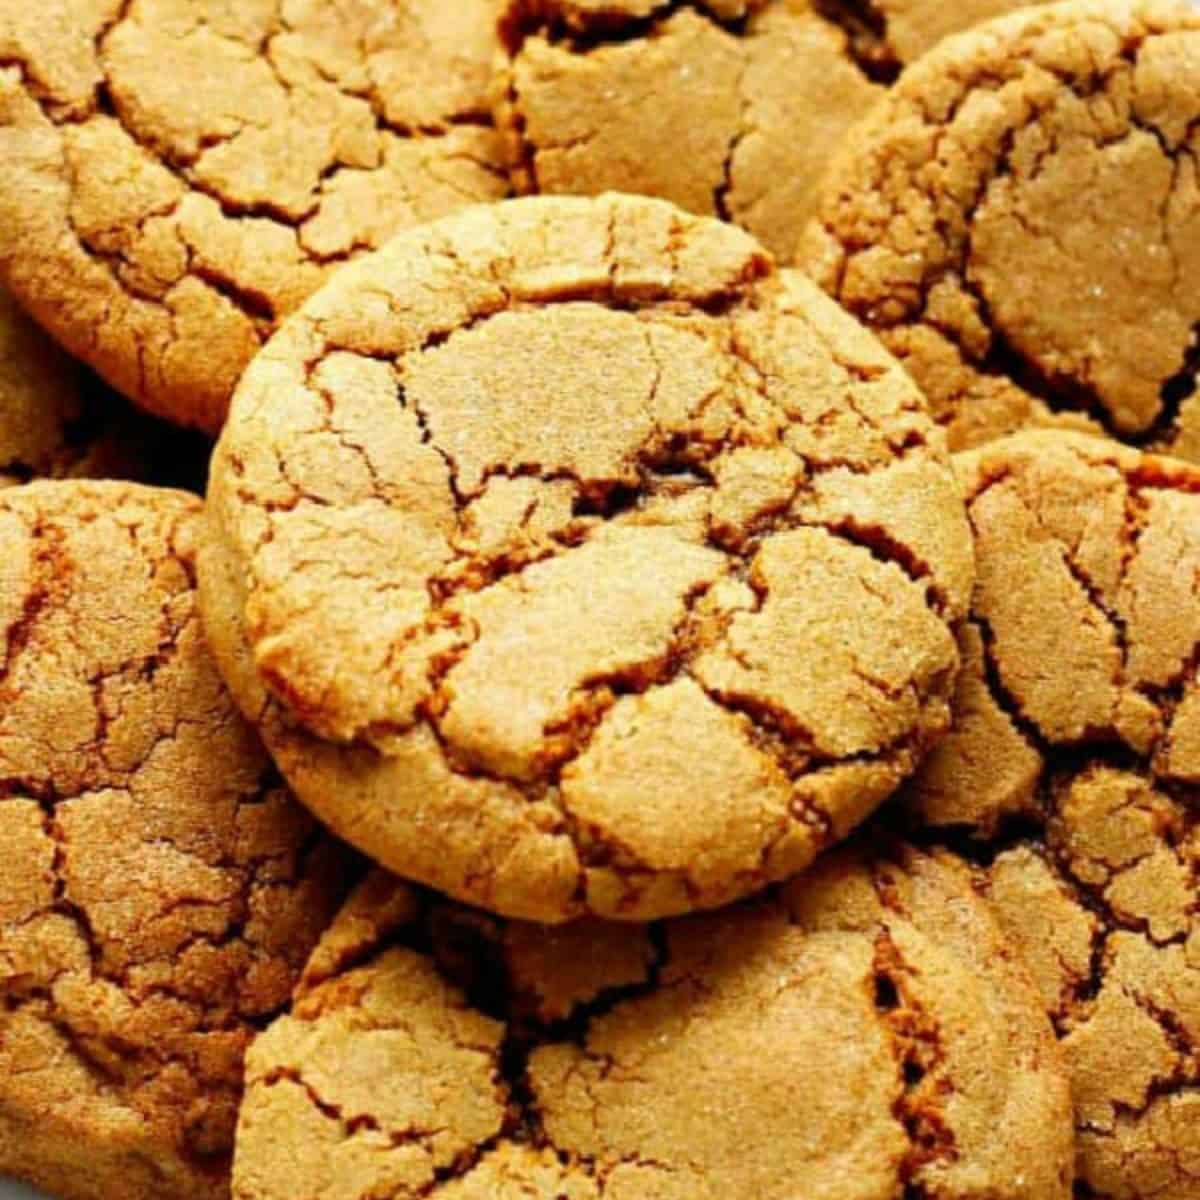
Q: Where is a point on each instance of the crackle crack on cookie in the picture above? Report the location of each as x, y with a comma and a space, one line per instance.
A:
813, 1040
1062, 137
1069, 777
496, 596
161, 889
200, 172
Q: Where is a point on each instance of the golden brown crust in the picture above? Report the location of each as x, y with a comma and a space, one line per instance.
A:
862, 1031
573, 560
181, 174
1074, 755
1017, 219
160, 890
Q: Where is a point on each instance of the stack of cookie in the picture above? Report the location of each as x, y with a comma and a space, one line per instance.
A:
683, 681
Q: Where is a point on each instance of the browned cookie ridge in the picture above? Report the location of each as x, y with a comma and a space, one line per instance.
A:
1019, 220
1075, 765
160, 889
177, 175
864, 1033
730, 108
574, 560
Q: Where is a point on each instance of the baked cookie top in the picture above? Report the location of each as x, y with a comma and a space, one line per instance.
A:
160, 890
573, 560
729, 108
1075, 760
49, 426
181, 174
1019, 221
862, 1033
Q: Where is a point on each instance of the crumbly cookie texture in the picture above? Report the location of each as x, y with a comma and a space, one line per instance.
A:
1019, 220
180, 174
729, 108
48, 426
864, 1032
1076, 756
160, 890
573, 560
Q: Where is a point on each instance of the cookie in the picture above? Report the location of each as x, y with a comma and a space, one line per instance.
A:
863, 1033
181, 174
1075, 766
573, 560
161, 891
729, 108
49, 424
1019, 220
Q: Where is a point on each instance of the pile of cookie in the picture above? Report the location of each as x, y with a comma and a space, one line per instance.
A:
680, 677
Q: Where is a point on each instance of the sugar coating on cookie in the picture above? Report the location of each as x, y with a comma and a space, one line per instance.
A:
181, 174
729, 108
1019, 220
574, 560
160, 889
48, 426
1076, 756
861, 1034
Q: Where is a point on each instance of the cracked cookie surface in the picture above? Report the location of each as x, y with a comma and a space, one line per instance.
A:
1074, 763
1019, 220
49, 426
571, 559
729, 108
863, 1032
161, 890
178, 175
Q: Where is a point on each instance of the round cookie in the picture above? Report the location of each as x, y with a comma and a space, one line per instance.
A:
729, 108
49, 426
572, 560
863, 1033
181, 174
161, 891
1076, 763
1019, 220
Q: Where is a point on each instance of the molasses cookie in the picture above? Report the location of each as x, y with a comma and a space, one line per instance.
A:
573, 560
1075, 768
730, 108
180, 174
1019, 220
49, 425
160, 890
862, 1033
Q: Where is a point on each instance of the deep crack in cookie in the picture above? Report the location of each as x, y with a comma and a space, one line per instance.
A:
1019, 220
1071, 778
160, 889
864, 1032
572, 559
